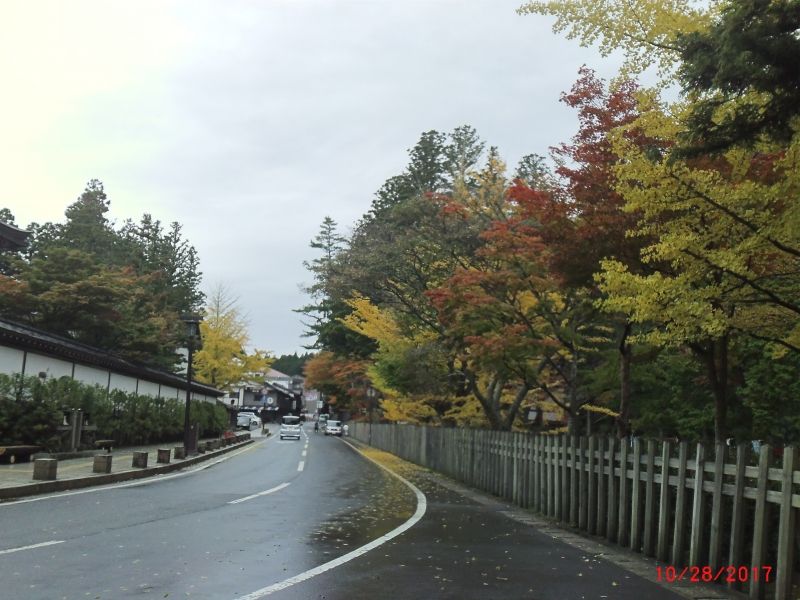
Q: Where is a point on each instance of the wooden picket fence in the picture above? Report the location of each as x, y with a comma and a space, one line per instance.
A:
734, 514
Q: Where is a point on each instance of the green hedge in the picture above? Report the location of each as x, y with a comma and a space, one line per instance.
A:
31, 411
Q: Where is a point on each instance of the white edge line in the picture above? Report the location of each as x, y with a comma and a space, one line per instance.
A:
32, 546
143, 481
264, 493
422, 505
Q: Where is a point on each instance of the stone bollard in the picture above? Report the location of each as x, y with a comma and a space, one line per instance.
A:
139, 459
102, 463
163, 455
179, 452
45, 469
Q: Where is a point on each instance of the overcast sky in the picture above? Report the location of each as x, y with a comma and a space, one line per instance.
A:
249, 121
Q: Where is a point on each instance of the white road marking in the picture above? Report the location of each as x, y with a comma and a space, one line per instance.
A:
304, 453
264, 493
32, 546
301, 466
422, 505
144, 481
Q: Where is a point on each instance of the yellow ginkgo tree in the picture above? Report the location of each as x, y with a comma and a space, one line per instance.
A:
224, 360
725, 248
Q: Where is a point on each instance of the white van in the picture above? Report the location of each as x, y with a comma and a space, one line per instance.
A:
290, 427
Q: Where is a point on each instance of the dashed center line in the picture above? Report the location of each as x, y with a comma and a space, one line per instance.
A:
32, 546
264, 493
301, 466
304, 453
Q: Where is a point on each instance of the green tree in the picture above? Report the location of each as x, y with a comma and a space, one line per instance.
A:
744, 75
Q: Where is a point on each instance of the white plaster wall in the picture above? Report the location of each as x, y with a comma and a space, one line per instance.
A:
91, 375
10, 360
55, 368
148, 388
170, 393
123, 383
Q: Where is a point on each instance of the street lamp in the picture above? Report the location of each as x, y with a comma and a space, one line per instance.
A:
192, 322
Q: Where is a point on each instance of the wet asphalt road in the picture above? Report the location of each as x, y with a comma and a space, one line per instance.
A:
208, 535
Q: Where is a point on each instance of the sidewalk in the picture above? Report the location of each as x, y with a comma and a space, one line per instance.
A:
16, 480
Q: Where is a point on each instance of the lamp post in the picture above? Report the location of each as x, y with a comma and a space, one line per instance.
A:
192, 322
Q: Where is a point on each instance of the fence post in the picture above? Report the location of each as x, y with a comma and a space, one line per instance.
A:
636, 504
715, 538
592, 485
662, 545
737, 514
786, 527
574, 493
680, 506
565, 491
611, 517
549, 465
623, 524
583, 491
698, 507
759, 553
600, 525
649, 498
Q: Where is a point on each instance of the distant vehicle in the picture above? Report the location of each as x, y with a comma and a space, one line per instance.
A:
248, 420
320, 424
333, 428
290, 427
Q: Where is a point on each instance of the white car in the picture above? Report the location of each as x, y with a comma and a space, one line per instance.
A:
290, 427
248, 420
333, 428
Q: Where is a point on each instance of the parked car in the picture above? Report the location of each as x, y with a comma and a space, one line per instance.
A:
333, 428
248, 420
290, 427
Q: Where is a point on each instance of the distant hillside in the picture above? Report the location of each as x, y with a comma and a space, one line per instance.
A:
291, 364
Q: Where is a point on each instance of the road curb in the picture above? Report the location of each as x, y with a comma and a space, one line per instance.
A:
61, 485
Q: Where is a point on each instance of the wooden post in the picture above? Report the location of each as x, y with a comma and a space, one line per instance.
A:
737, 514
583, 492
102, 463
636, 504
759, 553
592, 485
565, 491
623, 524
515, 479
715, 538
536, 487
662, 545
556, 454
45, 469
600, 525
650, 499
549, 485
139, 459
786, 527
574, 497
678, 535
612, 504
698, 508
526, 470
